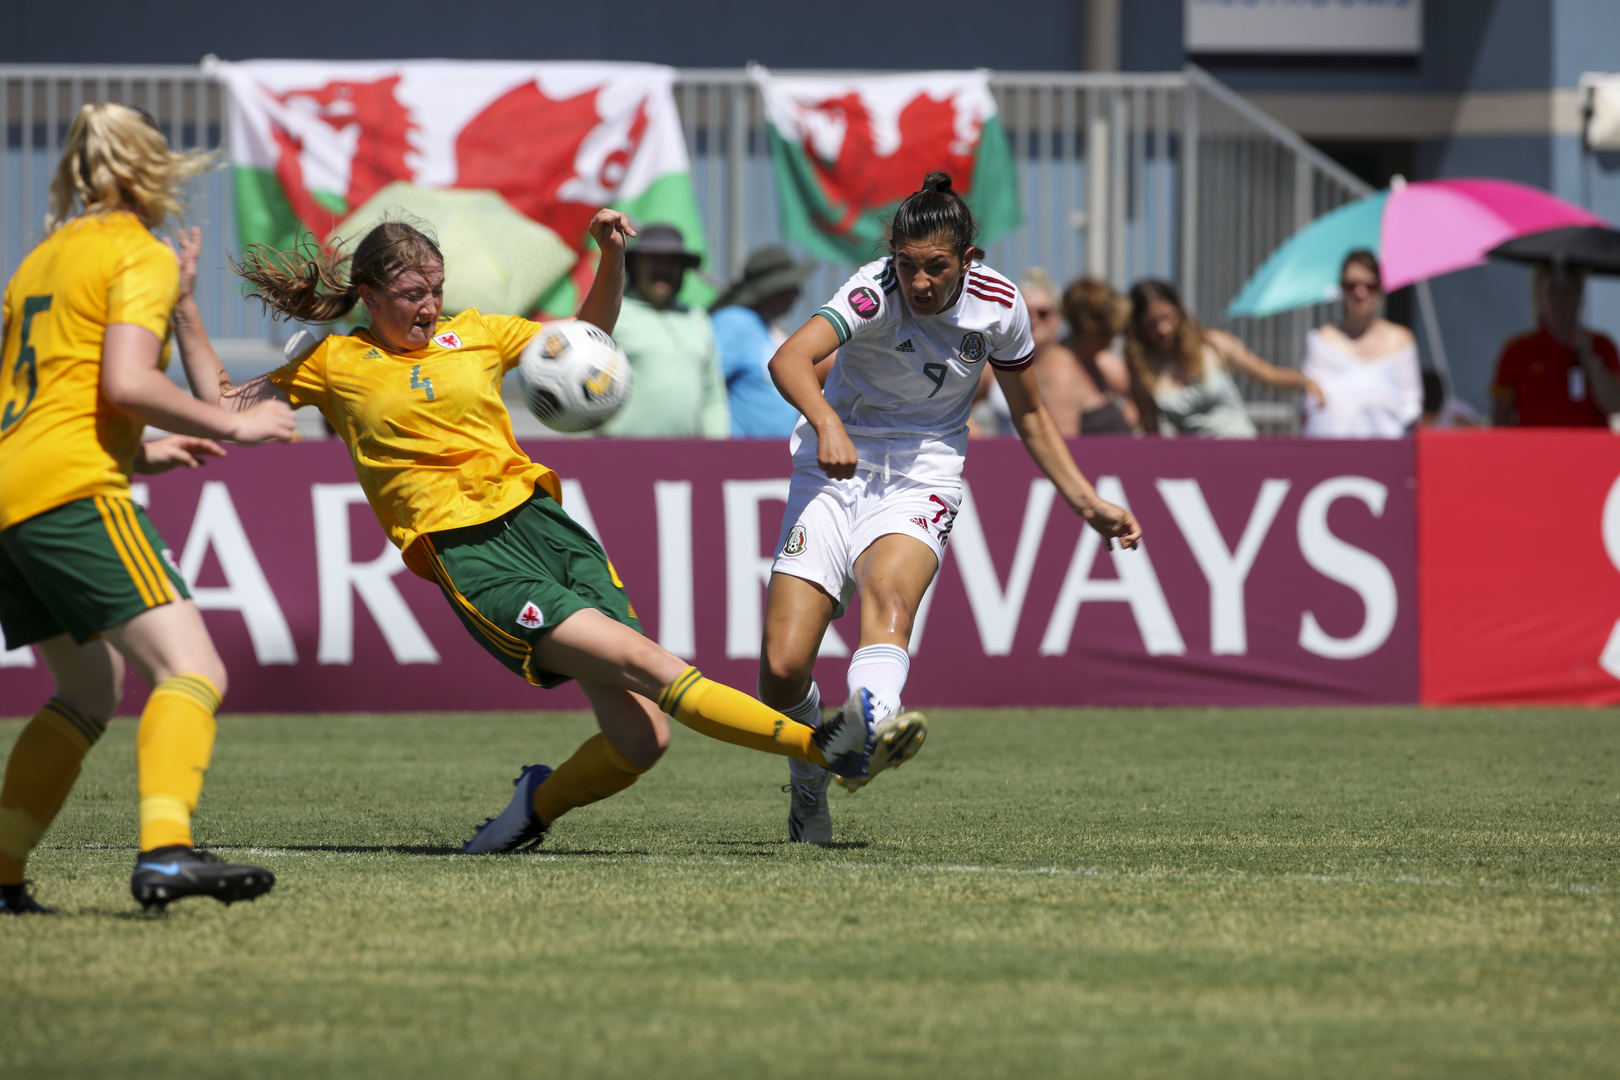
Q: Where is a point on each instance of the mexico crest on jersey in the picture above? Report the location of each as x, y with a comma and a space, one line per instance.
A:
795, 541
448, 340
974, 347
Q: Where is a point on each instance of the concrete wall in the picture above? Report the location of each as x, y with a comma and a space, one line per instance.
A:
1025, 35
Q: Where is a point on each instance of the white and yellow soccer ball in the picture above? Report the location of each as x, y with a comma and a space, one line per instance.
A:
573, 376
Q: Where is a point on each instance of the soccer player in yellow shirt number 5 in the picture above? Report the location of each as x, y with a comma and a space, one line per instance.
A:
416, 398
84, 577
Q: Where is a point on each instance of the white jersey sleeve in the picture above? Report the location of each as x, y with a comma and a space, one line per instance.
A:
1012, 346
869, 301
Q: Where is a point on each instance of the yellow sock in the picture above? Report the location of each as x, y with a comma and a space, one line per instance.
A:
44, 764
596, 771
718, 711
172, 749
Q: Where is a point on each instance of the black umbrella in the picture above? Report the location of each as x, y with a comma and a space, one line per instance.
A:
1590, 247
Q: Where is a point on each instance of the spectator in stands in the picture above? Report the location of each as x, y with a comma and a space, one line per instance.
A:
1077, 375
1561, 374
678, 390
1182, 373
1082, 377
746, 337
1366, 365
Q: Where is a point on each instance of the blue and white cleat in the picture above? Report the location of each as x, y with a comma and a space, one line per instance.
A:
809, 815
895, 740
518, 827
846, 739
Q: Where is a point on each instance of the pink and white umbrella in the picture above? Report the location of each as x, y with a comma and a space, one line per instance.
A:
1418, 230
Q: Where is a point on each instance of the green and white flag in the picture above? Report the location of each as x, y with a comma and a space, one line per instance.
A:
847, 150
312, 141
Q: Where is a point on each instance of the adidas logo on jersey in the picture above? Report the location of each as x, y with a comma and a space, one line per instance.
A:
372, 354
905, 346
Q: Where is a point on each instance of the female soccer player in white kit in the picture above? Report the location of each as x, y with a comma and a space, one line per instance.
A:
877, 467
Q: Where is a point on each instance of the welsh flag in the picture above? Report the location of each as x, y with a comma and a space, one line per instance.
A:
312, 141
847, 151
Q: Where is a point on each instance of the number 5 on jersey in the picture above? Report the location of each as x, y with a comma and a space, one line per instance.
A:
32, 306
419, 383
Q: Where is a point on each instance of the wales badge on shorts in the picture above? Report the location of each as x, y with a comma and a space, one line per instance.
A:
795, 542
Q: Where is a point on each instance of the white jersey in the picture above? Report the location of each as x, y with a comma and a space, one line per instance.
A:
903, 384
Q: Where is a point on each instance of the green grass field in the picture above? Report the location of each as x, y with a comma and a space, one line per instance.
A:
1336, 893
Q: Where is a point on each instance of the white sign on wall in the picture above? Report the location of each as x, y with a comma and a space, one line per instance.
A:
1304, 26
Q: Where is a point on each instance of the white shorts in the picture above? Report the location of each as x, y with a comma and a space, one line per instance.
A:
829, 523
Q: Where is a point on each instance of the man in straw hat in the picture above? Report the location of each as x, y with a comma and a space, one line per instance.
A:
746, 337
679, 392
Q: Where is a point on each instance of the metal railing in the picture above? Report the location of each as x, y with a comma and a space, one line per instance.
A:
1122, 176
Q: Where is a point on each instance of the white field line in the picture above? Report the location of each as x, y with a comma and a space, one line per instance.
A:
1097, 873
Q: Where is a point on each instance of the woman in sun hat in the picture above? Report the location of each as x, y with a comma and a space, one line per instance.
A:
746, 337
679, 391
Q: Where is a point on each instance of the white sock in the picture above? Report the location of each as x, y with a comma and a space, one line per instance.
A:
807, 712
882, 669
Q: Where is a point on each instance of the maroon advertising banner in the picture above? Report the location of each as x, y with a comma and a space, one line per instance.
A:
1273, 572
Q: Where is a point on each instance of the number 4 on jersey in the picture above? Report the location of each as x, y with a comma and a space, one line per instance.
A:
419, 383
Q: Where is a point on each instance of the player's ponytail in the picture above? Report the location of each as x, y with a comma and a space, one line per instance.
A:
310, 285
936, 210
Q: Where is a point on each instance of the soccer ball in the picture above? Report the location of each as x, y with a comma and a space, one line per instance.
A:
573, 376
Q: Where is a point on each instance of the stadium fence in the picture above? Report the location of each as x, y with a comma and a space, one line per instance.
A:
1123, 176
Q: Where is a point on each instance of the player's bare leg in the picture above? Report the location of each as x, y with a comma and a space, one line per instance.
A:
892, 575
797, 614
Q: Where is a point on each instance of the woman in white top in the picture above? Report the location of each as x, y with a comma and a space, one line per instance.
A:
1183, 371
1367, 366
877, 463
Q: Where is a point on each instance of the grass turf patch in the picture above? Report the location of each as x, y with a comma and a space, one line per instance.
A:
1063, 893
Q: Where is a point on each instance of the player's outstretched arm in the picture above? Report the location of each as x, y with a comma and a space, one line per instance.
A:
794, 371
610, 229
132, 383
203, 370
1046, 446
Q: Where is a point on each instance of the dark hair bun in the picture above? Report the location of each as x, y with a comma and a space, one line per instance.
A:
938, 181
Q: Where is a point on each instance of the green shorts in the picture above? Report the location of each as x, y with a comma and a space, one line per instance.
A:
82, 568
512, 579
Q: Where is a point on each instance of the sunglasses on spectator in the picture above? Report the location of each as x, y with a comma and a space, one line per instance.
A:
1352, 286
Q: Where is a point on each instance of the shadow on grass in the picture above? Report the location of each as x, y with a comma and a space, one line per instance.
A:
849, 845
371, 849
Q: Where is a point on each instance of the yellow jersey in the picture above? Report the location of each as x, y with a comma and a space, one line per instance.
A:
430, 438
60, 440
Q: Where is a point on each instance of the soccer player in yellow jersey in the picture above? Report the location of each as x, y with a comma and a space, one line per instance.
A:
83, 575
416, 398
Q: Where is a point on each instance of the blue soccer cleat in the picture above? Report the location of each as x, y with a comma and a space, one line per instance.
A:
518, 827
846, 739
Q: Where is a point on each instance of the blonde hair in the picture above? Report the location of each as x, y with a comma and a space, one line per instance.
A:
311, 285
115, 158
1036, 279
